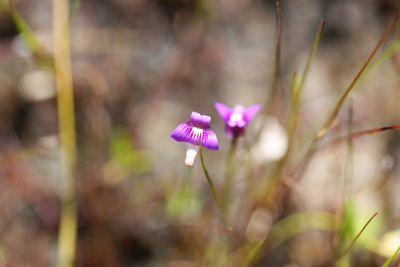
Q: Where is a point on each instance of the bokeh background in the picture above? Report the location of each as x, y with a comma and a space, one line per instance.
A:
139, 68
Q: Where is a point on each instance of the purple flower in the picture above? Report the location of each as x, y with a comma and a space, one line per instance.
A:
196, 131
236, 119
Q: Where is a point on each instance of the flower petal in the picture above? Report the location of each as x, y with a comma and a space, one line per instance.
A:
209, 140
181, 132
223, 110
190, 157
188, 134
251, 112
198, 120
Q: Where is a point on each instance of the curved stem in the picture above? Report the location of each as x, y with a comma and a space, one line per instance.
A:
208, 177
213, 191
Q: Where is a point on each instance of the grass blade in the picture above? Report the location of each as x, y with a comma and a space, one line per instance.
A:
329, 122
27, 35
392, 259
277, 60
347, 250
363, 133
302, 166
298, 85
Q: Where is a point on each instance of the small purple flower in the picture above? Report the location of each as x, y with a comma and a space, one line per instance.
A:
236, 119
196, 131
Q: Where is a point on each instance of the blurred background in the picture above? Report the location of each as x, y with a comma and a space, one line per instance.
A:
140, 67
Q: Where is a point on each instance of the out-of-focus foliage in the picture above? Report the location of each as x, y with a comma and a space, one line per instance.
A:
125, 160
139, 68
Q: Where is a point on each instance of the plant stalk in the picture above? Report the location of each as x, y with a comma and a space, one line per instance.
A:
67, 236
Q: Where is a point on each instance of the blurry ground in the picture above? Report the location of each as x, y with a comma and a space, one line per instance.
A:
140, 67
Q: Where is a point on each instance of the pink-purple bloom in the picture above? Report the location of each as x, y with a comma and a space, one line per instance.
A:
197, 131
236, 119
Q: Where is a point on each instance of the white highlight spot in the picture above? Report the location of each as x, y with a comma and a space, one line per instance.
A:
273, 142
190, 157
37, 85
236, 117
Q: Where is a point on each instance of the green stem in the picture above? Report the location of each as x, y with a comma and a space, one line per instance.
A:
391, 260
347, 250
67, 235
209, 180
28, 37
213, 191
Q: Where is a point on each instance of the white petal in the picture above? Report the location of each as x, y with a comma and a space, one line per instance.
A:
190, 157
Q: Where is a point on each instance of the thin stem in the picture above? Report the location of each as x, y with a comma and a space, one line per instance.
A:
347, 250
339, 140
209, 180
66, 117
347, 211
392, 259
363, 133
302, 166
388, 53
213, 191
276, 78
329, 122
311, 57
292, 122
277, 60
348, 183
27, 36
297, 86
297, 89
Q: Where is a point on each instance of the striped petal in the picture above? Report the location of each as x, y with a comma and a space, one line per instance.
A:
209, 140
195, 136
181, 132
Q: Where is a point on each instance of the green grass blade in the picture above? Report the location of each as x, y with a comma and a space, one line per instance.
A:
347, 250
392, 259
